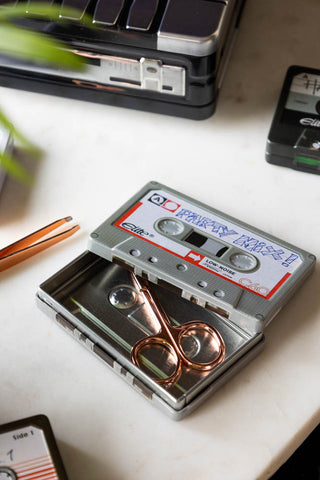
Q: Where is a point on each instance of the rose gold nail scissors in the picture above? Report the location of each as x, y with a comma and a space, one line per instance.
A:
32, 244
169, 338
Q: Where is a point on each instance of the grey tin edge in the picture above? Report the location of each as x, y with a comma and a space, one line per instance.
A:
190, 45
155, 399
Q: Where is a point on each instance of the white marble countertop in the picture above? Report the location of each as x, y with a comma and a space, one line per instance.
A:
97, 157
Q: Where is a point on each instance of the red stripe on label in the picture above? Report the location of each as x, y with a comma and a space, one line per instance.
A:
186, 258
35, 466
34, 460
39, 474
126, 215
287, 275
46, 476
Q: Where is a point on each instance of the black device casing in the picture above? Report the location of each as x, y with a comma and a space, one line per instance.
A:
291, 129
192, 36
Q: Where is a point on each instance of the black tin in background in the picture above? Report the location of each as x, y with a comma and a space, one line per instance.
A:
17, 446
294, 137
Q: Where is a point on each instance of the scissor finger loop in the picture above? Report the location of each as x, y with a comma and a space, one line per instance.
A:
171, 338
193, 329
139, 356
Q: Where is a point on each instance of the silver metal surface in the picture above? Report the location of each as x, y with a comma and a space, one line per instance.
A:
195, 45
82, 302
142, 74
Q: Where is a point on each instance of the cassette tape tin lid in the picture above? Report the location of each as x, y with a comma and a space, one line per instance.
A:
294, 136
211, 258
28, 450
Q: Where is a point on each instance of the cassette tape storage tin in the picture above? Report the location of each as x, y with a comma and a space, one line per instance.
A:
174, 295
294, 137
166, 56
28, 451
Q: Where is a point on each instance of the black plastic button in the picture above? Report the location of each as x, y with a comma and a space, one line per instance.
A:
80, 7
141, 14
107, 11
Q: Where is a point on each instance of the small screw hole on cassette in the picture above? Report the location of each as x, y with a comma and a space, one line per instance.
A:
202, 284
181, 267
135, 253
219, 293
153, 259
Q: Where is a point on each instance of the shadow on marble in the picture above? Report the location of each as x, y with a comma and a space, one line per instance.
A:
291, 323
81, 466
16, 196
272, 36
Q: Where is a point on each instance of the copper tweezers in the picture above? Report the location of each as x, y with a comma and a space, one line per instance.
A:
32, 244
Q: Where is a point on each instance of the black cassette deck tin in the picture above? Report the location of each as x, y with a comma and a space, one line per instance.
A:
294, 137
165, 56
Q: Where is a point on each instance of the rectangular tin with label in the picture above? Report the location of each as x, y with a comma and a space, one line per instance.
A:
28, 450
216, 281
294, 137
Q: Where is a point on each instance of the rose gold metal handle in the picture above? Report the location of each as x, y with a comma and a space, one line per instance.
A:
170, 338
32, 244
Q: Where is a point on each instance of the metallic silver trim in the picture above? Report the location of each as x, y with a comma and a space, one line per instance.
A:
196, 46
142, 74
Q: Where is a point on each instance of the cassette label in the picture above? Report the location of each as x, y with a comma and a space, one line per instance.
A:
24, 454
201, 237
304, 95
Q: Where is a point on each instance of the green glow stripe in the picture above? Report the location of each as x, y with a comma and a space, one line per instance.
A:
307, 160
135, 322
153, 368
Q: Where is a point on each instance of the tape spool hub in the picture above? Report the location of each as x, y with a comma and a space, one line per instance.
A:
243, 261
7, 473
122, 297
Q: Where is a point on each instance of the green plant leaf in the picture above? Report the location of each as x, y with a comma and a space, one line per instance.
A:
30, 147
36, 47
43, 10
10, 165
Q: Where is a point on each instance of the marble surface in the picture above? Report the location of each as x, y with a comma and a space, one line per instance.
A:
96, 158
